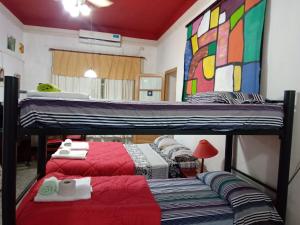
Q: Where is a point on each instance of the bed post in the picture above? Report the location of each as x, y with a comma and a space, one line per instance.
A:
228, 153
285, 153
42, 156
10, 127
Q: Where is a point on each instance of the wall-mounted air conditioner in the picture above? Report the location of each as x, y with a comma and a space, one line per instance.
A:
100, 38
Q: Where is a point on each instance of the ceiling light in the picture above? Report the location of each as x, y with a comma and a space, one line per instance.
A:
90, 74
77, 7
74, 12
69, 4
85, 10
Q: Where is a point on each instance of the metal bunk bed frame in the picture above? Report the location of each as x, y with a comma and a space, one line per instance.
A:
12, 130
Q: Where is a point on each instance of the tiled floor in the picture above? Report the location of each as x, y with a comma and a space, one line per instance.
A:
24, 175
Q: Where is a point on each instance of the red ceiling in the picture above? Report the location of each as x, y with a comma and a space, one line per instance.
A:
147, 19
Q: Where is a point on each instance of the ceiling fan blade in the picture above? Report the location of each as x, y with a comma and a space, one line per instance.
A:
101, 3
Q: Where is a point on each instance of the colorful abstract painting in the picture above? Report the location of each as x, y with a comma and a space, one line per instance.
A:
223, 49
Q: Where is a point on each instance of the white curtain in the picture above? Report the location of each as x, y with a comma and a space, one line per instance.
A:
118, 89
97, 88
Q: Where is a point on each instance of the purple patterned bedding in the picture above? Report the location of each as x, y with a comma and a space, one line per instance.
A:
76, 114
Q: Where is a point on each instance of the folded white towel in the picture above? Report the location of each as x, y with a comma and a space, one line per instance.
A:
67, 143
80, 146
75, 146
64, 151
83, 191
49, 187
71, 155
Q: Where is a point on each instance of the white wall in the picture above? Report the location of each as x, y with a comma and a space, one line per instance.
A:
171, 45
38, 59
280, 72
256, 155
12, 62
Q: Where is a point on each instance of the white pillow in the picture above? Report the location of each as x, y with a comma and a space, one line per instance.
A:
181, 152
166, 142
160, 138
174, 147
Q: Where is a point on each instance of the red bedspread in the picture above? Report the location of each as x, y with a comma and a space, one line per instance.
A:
103, 159
118, 200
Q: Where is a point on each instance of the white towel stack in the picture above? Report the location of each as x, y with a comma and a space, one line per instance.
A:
72, 150
62, 154
54, 190
75, 146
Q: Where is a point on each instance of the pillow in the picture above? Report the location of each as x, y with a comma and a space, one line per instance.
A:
226, 98
218, 181
166, 142
247, 202
182, 152
184, 158
243, 98
170, 150
206, 97
160, 138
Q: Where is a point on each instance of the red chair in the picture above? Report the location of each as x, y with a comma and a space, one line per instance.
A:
76, 137
53, 144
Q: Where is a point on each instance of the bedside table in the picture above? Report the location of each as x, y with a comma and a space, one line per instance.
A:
189, 172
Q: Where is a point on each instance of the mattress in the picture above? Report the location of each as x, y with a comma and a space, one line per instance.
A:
59, 95
114, 158
120, 200
90, 114
103, 159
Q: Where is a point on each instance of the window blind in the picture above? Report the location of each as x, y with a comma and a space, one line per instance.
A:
74, 64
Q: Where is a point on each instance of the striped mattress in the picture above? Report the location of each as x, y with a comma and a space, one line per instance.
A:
213, 198
76, 114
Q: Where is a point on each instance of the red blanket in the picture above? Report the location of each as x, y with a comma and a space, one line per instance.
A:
118, 200
103, 159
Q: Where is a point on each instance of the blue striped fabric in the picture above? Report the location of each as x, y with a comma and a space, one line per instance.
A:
250, 206
214, 198
190, 201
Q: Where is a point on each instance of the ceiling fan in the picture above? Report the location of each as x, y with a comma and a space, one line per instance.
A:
77, 7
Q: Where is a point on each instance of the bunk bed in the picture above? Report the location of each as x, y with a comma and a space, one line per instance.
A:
24, 119
217, 198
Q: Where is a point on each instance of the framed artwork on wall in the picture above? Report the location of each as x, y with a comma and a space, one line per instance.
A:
223, 48
21, 48
11, 43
